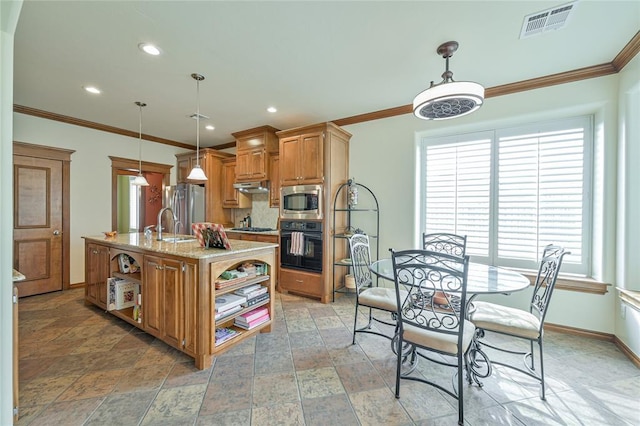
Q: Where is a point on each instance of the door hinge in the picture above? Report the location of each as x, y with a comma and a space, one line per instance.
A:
15, 411
184, 343
184, 267
15, 299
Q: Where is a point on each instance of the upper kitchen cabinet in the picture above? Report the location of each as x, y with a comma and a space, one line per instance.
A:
253, 148
231, 197
274, 191
303, 152
211, 162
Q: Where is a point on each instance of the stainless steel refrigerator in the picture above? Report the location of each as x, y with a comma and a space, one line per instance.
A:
188, 204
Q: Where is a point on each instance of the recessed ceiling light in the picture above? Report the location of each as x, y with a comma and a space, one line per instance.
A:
272, 109
149, 48
209, 127
92, 89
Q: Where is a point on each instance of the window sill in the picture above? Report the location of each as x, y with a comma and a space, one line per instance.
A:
570, 283
630, 297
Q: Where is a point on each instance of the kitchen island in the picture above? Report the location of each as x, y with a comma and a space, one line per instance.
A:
178, 283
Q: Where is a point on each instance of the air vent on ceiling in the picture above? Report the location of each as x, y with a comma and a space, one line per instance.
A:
550, 19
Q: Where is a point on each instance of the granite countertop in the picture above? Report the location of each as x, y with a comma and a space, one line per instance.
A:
17, 276
189, 249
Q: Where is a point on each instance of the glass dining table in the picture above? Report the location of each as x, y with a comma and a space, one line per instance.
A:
481, 279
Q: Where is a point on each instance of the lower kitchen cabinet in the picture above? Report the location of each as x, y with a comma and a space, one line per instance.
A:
168, 291
96, 274
300, 282
177, 283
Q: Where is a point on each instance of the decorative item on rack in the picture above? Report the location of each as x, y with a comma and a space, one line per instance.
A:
197, 173
449, 98
140, 179
352, 193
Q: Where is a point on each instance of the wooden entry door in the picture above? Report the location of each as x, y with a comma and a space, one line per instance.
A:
39, 226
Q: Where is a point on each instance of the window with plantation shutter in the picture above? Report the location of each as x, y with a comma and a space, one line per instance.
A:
513, 191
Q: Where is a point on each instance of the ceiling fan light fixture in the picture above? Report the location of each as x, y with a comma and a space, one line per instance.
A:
197, 173
449, 98
140, 180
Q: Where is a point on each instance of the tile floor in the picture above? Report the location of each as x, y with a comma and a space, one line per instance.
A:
81, 366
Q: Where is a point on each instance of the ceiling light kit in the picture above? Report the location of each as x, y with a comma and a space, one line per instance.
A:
149, 49
92, 89
140, 180
197, 173
449, 98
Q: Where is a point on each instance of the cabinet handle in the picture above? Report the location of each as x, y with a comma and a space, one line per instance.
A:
299, 281
159, 267
94, 251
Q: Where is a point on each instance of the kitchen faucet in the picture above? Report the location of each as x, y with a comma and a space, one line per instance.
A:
159, 225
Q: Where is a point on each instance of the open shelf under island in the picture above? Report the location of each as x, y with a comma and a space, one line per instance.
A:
177, 287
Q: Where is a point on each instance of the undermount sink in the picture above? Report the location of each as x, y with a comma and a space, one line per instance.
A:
178, 239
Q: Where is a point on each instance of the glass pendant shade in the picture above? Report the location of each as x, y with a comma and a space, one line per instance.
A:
140, 180
197, 173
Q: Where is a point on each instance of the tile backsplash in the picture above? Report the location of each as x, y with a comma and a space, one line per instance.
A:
262, 215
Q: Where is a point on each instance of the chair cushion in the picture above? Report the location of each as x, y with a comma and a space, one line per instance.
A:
503, 319
380, 298
442, 342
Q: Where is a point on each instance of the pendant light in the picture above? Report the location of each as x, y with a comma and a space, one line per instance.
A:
448, 99
197, 173
140, 180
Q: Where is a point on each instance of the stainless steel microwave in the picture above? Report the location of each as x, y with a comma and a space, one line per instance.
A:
301, 202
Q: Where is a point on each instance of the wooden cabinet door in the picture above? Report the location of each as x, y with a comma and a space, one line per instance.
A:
184, 167
97, 272
274, 174
311, 158
172, 303
152, 296
258, 164
243, 164
229, 193
289, 159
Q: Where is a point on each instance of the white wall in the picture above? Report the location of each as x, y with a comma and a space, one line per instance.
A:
90, 172
628, 232
383, 157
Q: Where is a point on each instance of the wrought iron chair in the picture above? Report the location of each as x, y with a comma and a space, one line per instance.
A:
443, 242
522, 324
368, 295
430, 318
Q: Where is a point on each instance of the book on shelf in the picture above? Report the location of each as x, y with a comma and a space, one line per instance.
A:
255, 300
251, 324
257, 292
222, 315
247, 317
224, 334
228, 301
220, 284
248, 289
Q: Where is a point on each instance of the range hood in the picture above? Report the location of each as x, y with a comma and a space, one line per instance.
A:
258, 187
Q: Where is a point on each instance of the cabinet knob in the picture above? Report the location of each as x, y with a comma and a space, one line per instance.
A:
94, 251
56, 232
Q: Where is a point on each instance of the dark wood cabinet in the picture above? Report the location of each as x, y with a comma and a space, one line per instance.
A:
231, 197
96, 274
